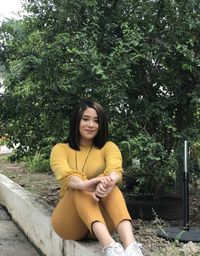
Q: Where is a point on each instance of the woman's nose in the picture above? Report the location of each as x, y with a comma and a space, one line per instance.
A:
91, 123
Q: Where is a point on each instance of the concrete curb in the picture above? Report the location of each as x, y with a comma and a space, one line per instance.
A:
32, 215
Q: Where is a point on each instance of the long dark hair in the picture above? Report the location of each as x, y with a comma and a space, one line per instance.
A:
74, 134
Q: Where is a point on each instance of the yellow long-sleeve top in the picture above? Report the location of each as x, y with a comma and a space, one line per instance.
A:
86, 163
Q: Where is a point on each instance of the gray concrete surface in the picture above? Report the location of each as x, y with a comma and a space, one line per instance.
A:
12, 240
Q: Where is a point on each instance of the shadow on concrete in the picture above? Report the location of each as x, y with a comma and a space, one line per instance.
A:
12, 240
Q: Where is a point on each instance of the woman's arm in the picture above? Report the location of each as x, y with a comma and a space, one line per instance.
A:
86, 185
60, 166
115, 176
113, 170
113, 159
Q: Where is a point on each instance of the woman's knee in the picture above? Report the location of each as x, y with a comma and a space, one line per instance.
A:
69, 230
66, 222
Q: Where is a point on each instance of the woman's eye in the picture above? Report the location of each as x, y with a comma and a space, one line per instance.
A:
85, 119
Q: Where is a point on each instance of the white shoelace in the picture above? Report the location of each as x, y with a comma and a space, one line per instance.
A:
114, 247
137, 247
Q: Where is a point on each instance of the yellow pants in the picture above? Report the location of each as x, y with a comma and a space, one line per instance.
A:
74, 214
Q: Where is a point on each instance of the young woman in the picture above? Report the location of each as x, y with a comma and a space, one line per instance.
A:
88, 168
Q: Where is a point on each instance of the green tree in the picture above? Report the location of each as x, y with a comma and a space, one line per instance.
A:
140, 59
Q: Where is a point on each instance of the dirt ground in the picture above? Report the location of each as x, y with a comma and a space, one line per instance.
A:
45, 185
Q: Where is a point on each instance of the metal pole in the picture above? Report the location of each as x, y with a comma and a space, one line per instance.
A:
184, 234
186, 188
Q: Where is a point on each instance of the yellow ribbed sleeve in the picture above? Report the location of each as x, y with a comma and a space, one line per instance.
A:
59, 164
113, 159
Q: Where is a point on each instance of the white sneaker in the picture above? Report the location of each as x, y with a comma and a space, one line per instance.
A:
134, 249
114, 249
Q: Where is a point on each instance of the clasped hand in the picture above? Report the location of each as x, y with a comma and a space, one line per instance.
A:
103, 188
99, 187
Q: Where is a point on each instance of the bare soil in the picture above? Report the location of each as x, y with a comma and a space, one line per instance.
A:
45, 185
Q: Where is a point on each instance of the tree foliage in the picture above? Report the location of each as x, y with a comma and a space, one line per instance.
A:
140, 59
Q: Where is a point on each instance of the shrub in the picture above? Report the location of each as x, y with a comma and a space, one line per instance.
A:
37, 163
149, 168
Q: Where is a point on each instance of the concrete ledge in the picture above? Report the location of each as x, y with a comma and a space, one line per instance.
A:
32, 215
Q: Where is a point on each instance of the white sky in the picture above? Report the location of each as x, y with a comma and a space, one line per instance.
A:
9, 9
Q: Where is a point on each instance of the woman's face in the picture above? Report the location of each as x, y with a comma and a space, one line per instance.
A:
89, 126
